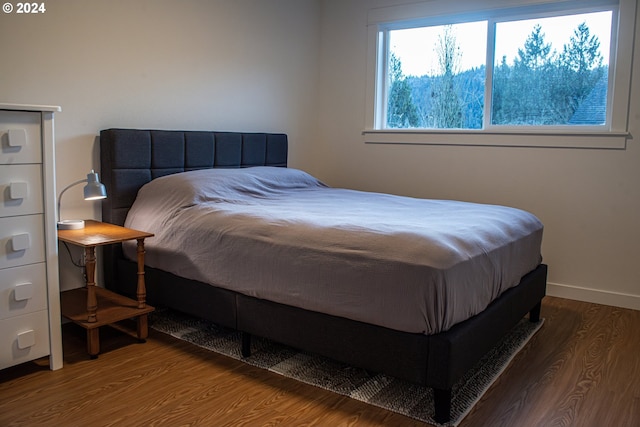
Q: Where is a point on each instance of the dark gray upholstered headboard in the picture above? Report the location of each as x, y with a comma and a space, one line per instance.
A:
129, 158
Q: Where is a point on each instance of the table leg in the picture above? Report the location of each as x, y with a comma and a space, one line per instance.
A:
141, 290
143, 327
90, 267
93, 342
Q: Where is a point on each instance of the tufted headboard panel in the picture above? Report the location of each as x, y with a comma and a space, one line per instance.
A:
129, 158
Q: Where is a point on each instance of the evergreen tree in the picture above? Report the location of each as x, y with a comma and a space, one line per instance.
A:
581, 62
536, 53
401, 111
531, 70
582, 54
502, 96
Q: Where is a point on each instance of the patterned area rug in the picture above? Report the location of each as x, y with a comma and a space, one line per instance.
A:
375, 389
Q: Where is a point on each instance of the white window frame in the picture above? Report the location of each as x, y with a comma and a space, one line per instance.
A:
438, 12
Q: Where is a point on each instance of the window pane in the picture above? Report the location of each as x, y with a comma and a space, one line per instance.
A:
437, 76
552, 71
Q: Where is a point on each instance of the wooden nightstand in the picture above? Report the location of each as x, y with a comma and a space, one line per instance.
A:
91, 306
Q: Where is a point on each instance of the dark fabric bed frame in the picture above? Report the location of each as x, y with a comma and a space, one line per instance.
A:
131, 157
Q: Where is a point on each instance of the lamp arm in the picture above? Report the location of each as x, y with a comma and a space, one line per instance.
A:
65, 189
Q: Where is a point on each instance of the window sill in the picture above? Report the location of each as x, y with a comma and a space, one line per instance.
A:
544, 139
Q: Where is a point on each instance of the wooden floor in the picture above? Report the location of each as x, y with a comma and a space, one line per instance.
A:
581, 369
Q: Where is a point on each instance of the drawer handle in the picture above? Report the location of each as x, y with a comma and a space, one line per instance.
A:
17, 137
23, 291
26, 339
20, 242
18, 190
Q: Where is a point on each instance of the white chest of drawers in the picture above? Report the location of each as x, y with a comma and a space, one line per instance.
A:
29, 289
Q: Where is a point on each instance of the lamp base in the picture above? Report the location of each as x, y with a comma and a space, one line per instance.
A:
70, 224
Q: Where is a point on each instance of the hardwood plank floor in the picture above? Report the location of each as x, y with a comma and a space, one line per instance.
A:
581, 369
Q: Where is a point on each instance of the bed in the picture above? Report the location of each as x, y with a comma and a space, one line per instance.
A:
385, 333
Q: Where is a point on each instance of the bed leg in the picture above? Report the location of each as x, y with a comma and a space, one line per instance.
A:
442, 405
534, 314
246, 344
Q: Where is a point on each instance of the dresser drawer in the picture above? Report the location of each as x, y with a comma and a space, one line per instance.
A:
20, 137
21, 240
23, 290
24, 338
20, 190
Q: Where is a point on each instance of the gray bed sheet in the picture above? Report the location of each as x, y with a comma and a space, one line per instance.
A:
414, 265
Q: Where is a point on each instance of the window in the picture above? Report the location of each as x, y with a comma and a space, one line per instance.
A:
536, 69
552, 71
436, 76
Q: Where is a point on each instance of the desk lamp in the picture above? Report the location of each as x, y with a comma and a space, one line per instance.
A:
94, 190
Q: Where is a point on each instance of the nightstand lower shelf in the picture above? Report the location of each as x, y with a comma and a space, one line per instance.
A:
112, 308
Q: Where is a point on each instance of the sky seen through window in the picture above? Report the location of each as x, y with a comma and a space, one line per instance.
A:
414, 47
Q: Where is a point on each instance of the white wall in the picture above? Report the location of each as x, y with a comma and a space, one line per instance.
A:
589, 200
248, 65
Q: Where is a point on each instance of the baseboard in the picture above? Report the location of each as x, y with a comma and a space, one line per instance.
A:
597, 296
